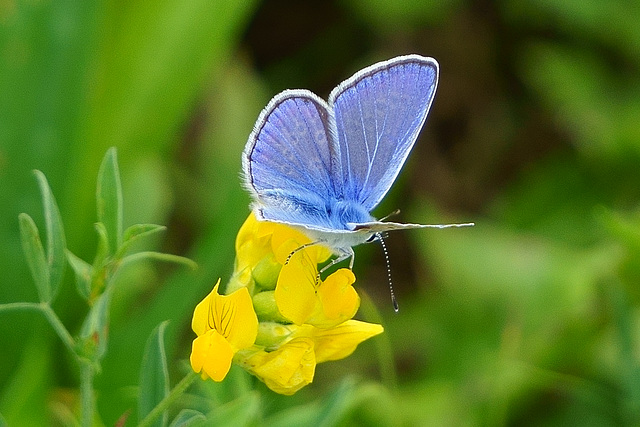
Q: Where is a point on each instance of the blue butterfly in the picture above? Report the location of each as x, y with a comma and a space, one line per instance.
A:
322, 167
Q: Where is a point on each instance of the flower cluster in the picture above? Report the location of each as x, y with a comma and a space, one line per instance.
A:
278, 319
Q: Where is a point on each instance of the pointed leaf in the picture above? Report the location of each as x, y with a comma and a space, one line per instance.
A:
338, 403
243, 411
137, 231
56, 244
159, 256
188, 417
102, 252
34, 253
109, 199
84, 273
154, 375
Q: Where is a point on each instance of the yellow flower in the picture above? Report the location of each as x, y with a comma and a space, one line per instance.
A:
285, 370
261, 241
303, 298
339, 342
224, 325
280, 319
253, 242
292, 365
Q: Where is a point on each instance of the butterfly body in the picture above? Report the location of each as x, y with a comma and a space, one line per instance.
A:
323, 166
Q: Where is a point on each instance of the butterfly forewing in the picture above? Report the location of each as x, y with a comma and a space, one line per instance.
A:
378, 115
324, 166
289, 152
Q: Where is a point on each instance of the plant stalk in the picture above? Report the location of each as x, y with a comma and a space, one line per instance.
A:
173, 395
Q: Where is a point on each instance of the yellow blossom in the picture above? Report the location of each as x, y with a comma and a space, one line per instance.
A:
339, 342
259, 239
224, 325
285, 370
303, 298
280, 318
292, 365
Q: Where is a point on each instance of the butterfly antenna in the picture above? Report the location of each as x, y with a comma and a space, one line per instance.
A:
386, 258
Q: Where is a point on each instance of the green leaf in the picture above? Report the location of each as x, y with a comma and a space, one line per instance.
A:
109, 199
159, 256
56, 244
34, 253
188, 417
102, 252
135, 232
154, 376
84, 274
243, 411
47, 268
331, 411
337, 404
94, 332
139, 230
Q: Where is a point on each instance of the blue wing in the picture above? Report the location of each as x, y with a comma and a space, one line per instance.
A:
288, 159
326, 166
378, 115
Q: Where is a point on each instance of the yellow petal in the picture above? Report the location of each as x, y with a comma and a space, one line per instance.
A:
339, 342
235, 319
285, 248
250, 253
287, 369
295, 292
247, 231
211, 356
200, 320
253, 242
232, 316
266, 229
338, 298
287, 240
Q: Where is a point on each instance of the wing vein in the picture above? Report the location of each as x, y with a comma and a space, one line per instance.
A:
294, 150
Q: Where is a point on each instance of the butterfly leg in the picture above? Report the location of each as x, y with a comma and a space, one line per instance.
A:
306, 245
347, 253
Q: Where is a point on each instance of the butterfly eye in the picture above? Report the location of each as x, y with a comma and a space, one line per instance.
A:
372, 238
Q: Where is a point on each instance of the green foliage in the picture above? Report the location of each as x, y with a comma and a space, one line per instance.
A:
529, 318
94, 283
109, 200
187, 418
34, 252
46, 268
154, 376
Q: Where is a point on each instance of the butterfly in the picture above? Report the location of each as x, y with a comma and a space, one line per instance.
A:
323, 166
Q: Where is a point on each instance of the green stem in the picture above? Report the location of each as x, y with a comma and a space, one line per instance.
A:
86, 391
20, 306
169, 399
57, 326
51, 316
87, 371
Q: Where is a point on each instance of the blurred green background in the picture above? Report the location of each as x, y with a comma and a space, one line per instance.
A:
530, 318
